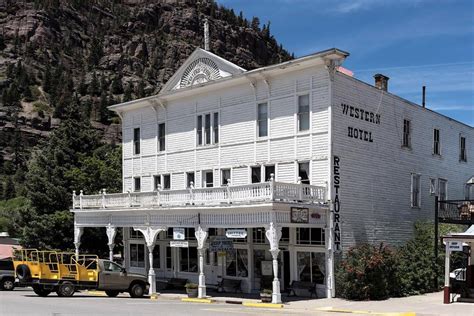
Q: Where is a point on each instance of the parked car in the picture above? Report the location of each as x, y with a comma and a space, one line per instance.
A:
7, 275
65, 273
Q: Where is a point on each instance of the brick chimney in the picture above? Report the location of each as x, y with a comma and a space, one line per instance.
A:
381, 82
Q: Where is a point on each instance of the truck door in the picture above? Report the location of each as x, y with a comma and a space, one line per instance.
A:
111, 276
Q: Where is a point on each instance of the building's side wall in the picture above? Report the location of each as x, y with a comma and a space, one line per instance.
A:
239, 147
375, 177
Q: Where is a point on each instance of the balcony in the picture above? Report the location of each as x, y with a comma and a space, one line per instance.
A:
242, 194
456, 212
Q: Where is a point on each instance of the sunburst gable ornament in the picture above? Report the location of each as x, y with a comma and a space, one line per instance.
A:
199, 71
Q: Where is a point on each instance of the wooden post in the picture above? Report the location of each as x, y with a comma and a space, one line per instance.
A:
435, 263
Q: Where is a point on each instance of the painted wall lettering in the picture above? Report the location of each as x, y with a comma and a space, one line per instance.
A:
358, 133
337, 205
361, 114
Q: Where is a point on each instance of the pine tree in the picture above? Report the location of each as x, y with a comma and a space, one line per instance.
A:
127, 96
94, 85
96, 52
47, 82
140, 89
8, 189
117, 87
103, 111
255, 24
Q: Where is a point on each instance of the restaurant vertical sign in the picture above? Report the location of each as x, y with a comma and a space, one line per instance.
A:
337, 204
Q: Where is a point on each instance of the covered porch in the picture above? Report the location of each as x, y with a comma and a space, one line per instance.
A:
270, 209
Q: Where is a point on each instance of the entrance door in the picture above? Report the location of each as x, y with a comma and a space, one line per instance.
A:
286, 269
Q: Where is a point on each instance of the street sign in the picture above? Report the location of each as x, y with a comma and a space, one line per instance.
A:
236, 233
179, 244
179, 233
220, 244
455, 245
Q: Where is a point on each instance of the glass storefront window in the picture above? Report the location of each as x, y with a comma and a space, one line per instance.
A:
135, 234
137, 255
188, 260
259, 235
169, 265
311, 266
237, 263
156, 257
258, 257
310, 236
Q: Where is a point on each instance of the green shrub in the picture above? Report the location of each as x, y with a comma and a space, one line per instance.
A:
367, 273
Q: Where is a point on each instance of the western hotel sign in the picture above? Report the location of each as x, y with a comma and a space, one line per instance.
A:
363, 115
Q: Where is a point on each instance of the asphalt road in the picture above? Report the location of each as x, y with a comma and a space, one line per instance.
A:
25, 302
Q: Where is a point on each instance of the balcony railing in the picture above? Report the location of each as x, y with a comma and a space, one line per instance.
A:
258, 192
456, 211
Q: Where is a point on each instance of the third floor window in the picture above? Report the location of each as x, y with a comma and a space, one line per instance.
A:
136, 141
207, 131
161, 137
436, 143
406, 134
303, 112
262, 120
462, 149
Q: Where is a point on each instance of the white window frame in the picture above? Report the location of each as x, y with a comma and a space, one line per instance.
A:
250, 173
160, 150
462, 154
298, 170
222, 178
408, 134
445, 182
203, 178
186, 175
135, 184
212, 129
415, 190
134, 141
298, 113
258, 120
437, 142
433, 186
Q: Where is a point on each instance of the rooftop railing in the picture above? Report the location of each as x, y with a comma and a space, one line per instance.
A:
241, 194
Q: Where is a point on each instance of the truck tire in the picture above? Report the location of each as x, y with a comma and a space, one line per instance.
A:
112, 293
23, 272
7, 284
66, 289
40, 290
137, 290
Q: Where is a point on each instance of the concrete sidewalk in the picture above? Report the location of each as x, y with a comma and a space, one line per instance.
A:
424, 305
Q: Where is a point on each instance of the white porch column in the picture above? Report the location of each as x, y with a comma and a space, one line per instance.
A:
111, 232
273, 235
447, 269
150, 233
77, 238
201, 236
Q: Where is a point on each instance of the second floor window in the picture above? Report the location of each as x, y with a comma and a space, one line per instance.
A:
162, 181
225, 176
303, 112
262, 120
207, 179
161, 137
303, 172
406, 133
166, 182
136, 141
156, 182
442, 189
137, 184
207, 131
269, 170
415, 190
256, 174
190, 179
436, 144
462, 149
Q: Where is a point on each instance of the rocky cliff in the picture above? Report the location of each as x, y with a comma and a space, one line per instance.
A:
100, 52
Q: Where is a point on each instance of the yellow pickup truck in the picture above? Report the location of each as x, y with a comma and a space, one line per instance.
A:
65, 273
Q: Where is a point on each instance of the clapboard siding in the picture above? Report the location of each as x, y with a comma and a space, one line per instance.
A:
376, 176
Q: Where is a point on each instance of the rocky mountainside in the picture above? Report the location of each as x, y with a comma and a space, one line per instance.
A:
100, 52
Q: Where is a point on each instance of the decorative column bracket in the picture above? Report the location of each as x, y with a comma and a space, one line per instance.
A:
77, 238
273, 234
111, 232
150, 233
201, 236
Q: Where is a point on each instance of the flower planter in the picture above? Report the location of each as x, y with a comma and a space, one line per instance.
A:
192, 293
266, 298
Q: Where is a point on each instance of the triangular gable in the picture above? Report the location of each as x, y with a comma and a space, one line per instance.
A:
201, 67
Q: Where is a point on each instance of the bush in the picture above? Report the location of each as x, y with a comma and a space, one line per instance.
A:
367, 273
371, 273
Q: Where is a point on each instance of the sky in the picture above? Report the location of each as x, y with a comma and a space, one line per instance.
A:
414, 42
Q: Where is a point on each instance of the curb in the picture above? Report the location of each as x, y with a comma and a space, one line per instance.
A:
348, 311
262, 305
198, 300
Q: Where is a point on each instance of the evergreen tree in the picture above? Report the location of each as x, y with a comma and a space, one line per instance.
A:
96, 52
94, 85
127, 96
47, 81
103, 111
8, 189
140, 89
255, 24
117, 87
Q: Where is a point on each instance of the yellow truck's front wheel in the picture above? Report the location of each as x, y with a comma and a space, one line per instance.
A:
40, 290
66, 289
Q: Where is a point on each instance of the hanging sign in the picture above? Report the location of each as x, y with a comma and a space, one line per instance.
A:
299, 215
179, 244
236, 233
337, 204
220, 244
179, 234
455, 245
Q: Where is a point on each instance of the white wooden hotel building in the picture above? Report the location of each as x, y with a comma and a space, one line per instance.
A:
307, 159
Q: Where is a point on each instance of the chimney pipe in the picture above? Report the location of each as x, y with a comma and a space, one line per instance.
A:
381, 82
423, 99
